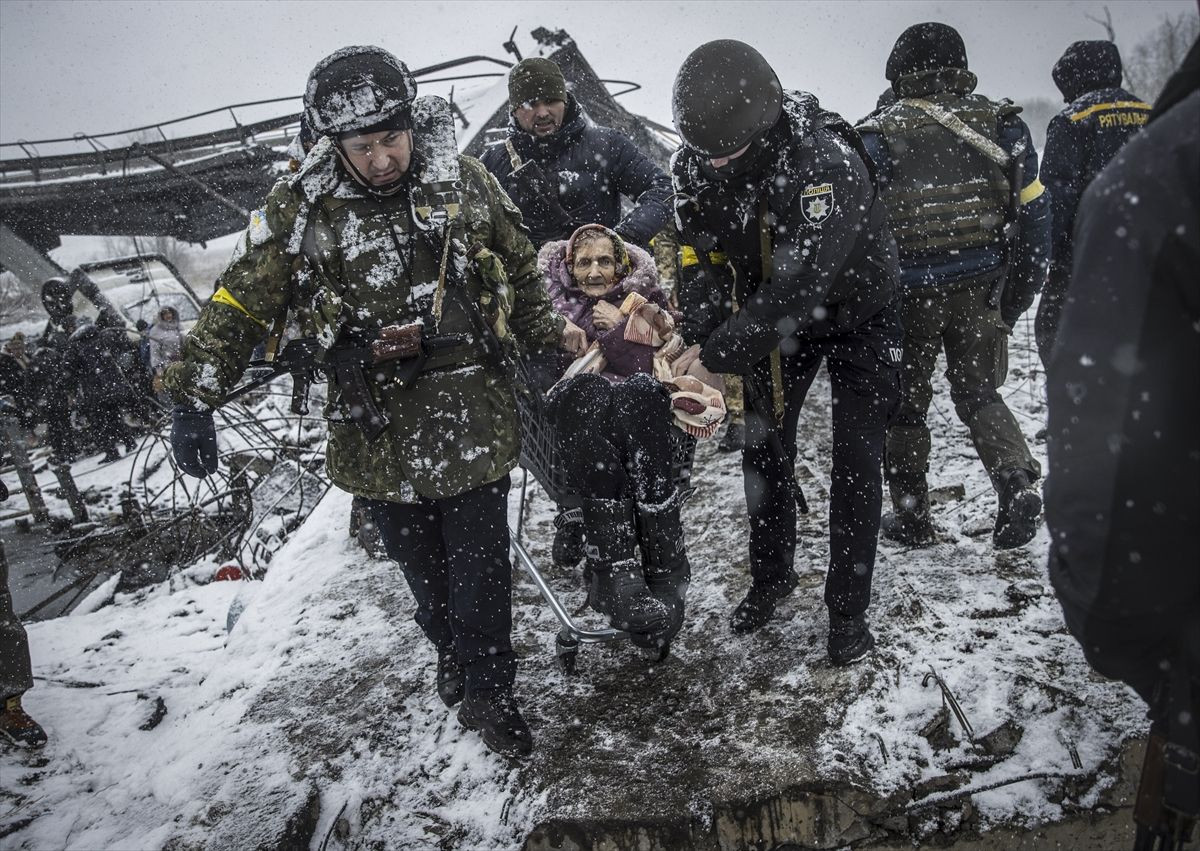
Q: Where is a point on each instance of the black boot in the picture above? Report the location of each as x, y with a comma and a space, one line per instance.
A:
451, 678
759, 603
568, 539
1020, 507
734, 439
17, 728
849, 638
617, 584
909, 523
666, 563
494, 713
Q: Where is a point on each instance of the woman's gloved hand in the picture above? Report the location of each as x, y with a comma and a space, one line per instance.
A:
194, 441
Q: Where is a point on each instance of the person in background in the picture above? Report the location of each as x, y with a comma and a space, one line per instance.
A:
166, 343
1098, 119
16, 670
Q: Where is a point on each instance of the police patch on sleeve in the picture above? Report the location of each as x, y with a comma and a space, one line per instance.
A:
816, 203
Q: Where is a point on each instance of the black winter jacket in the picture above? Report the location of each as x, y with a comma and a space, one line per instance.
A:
99, 364
834, 264
1099, 118
592, 167
1123, 492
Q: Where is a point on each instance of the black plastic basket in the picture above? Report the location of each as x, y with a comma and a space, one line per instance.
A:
540, 454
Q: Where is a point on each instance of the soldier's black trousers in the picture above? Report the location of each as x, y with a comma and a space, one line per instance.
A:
615, 438
454, 554
864, 375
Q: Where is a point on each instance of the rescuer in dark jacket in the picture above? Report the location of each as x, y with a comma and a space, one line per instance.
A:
788, 262
1099, 118
563, 170
1123, 492
957, 169
99, 362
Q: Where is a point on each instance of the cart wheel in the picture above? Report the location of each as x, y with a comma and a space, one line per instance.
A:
566, 650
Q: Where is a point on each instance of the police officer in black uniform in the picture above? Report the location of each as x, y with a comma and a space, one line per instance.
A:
788, 262
1098, 119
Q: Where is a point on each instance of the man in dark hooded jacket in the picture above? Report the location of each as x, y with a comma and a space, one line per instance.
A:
1123, 493
958, 170
788, 263
1099, 118
562, 170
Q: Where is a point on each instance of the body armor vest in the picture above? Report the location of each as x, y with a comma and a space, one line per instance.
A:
944, 195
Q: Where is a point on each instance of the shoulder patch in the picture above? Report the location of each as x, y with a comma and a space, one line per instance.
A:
258, 230
816, 202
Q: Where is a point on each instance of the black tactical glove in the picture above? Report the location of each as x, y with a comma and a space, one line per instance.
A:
194, 441
1012, 308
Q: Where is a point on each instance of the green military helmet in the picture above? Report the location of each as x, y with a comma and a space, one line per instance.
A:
358, 90
726, 95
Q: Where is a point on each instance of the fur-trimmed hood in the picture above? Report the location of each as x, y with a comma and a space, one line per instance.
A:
573, 303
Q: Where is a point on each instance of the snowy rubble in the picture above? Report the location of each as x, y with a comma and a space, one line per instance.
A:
316, 715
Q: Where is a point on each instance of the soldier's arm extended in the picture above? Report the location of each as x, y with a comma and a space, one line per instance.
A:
250, 294
1062, 175
533, 319
638, 178
1031, 258
704, 293
820, 234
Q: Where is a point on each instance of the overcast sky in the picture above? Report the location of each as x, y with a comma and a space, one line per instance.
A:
107, 66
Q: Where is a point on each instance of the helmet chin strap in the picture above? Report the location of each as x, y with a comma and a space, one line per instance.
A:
384, 191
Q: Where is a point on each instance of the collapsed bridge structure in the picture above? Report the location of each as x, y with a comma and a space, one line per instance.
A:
200, 185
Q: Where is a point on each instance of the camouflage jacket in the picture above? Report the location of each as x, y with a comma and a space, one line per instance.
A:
455, 427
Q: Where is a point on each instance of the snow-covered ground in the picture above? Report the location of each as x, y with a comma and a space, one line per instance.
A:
316, 714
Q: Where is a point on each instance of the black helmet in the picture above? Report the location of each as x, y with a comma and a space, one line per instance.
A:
725, 97
359, 89
57, 298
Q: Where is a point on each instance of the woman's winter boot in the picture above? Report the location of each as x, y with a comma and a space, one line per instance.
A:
617, 586
665, 557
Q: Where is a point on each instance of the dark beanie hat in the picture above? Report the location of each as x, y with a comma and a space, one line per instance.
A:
926, 47
1086, 66
535, 79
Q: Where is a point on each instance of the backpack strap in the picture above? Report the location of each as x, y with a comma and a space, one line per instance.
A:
514, 158
956, 126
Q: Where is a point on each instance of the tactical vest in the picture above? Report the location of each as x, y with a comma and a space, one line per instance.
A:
944, 195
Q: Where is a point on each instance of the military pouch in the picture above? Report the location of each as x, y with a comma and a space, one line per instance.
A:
496, 300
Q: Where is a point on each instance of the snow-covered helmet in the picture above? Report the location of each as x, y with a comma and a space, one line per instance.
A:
726, 95
359, 89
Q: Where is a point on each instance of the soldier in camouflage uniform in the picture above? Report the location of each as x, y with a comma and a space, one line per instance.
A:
399, 242
951, 165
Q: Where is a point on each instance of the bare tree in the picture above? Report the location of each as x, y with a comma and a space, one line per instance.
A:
1156, 57
1106, 23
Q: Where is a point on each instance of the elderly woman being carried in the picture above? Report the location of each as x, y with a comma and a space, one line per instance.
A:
613, 410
